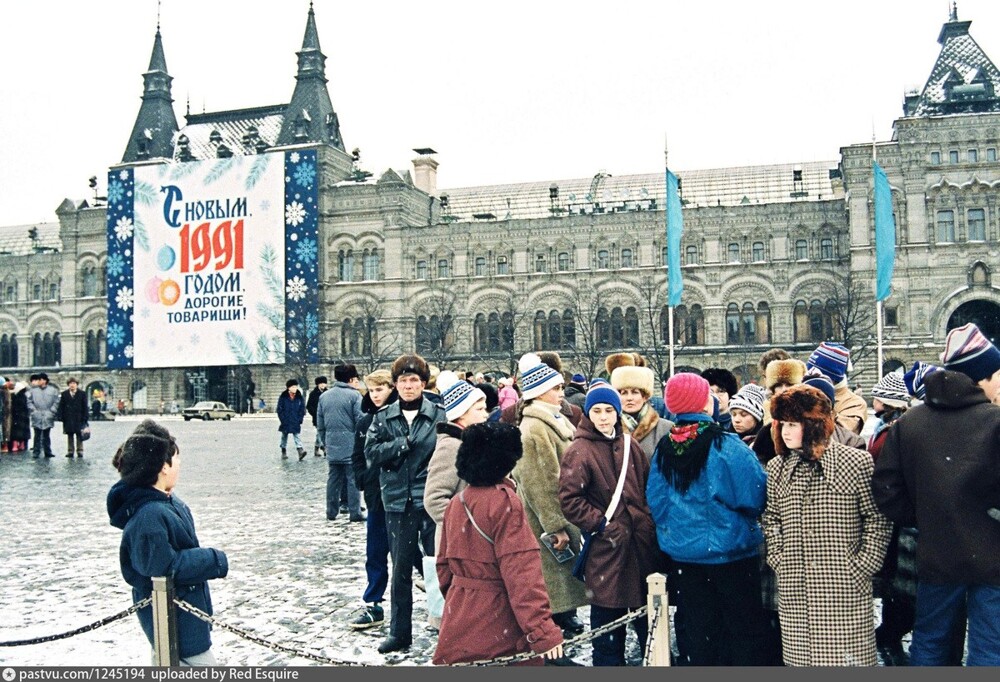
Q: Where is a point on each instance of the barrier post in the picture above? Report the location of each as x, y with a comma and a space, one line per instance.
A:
658, 617
164, 623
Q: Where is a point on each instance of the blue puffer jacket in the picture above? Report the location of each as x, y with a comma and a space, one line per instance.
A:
159, 539
715, 520
291, 411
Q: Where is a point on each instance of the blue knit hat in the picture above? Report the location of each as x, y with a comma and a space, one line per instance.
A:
578, 379
823, 383
832, 359
966, 350
914, 379
603, 393
457, 395
536, 376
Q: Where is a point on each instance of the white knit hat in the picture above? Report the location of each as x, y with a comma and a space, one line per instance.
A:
536, 376
891, 389
457, 394
750, 399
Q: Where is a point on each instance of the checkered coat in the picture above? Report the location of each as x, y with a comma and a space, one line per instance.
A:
825, 540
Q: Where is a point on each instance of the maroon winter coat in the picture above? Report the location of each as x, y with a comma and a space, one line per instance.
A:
626, 551
495, 603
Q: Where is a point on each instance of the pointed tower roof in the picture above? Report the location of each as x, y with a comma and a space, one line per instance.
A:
153, 132
309, 116
963, 80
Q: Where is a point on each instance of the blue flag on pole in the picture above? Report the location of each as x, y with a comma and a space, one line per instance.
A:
885, 234
675, 228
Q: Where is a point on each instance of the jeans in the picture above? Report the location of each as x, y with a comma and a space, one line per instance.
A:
939, 614
338, 474
724, 622
43, 442
410, 532
295, 438
609, 648
376, 557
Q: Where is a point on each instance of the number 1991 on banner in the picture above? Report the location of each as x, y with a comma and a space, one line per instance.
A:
202, 245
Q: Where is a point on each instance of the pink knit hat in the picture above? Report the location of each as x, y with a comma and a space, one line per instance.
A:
686, 392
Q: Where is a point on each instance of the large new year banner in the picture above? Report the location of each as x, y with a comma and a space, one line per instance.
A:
213, 262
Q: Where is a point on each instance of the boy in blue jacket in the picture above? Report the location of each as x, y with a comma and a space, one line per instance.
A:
159, 538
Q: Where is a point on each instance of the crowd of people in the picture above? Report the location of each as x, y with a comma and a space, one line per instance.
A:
29, 412
786, 536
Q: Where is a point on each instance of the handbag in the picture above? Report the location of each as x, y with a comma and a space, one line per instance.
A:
85, 432
581, 559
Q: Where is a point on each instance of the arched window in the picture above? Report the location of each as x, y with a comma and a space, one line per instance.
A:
480, 266
8, 350
631, 328
360, 338
800, 322
749, 323
734, 252
732, 324
423, 343
801, 249
53, 291
541, 330
371, 265
617, 328
603, 259
507, 332
444, 271
90, 349
763, 323
946, 226
493, 333
665, 255
555, 329
626, 258
89, 281
758, 252
691, 255
826, 249
603, 328
479, 333
10, 291
689, 325
421, 269
346, 335
569, 330
345, 261
563, 260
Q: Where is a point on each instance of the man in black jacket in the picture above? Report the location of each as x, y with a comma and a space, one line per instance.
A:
312, 403
400, 443
72, 412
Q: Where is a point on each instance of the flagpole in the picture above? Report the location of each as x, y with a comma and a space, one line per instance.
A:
878, 301
670, 308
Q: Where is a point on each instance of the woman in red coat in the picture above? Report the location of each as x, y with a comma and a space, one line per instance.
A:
489, 563
623, 549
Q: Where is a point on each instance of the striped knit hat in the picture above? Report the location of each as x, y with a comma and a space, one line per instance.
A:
750, 399
914, 379
891, 389
832, 359
966, 350
536, 376
457, 394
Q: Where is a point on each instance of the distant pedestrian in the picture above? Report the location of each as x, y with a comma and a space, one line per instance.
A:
43, 403
311, 404
508, 394
159, 539
291, 412
576, 390
20, 418
724, 387
72, 412
5, 416
489, 564
338, 413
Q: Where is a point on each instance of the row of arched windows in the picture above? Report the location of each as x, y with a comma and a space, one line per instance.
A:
493, 333
8, 350
46, 349
95, 347
347, 265
434, 333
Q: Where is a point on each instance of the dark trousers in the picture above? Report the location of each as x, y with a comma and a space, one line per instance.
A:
609, 648
943, 610
723, 616
376, 557
43, 442
338, 475
410, 533
74, 443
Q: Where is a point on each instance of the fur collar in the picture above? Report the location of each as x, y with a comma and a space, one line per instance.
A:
552, 417
647, 422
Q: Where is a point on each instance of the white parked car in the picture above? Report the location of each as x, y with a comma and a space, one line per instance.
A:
206, 410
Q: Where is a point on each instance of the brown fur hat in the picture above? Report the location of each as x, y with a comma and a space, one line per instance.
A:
552, 359
808, 406
789, 372
770, 356
640, 361
616, 360
410, 364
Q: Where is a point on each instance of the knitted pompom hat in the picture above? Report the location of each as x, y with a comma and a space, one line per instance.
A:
686, 392
832, 359
914, 379
891, 389
458, 395
536, 376
966, 350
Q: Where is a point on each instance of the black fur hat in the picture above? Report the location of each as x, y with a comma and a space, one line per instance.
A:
806, 405
488, 453
722, 378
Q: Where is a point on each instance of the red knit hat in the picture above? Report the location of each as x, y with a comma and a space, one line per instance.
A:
686, 392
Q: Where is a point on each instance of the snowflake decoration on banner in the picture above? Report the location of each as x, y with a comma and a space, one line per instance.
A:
116, 335
195, 339
145, 313
294, 157
295, 213
129, 351
296, 288
123, 175
124, 298
305, 251
312, 324
305, 174
115, 192
116, 264
123, 228
293, 346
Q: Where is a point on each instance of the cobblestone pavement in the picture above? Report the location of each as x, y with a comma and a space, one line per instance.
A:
295, 578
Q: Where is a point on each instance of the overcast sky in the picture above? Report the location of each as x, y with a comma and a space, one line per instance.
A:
510, 91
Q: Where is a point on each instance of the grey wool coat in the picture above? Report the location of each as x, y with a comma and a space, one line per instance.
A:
545, 435
825, 541
443, 482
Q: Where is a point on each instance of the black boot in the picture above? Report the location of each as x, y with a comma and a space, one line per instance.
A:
302, 454
284, 454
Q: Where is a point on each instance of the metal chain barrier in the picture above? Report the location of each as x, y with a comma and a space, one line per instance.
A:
86, 628
249, 636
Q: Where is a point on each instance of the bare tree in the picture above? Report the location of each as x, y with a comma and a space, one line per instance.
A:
437, 325
495, 343
851, 302
378, 344
591, 338
657, 351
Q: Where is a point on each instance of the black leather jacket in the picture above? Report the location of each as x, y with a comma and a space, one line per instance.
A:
402, 452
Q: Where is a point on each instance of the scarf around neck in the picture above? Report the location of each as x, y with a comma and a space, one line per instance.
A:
682, 453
